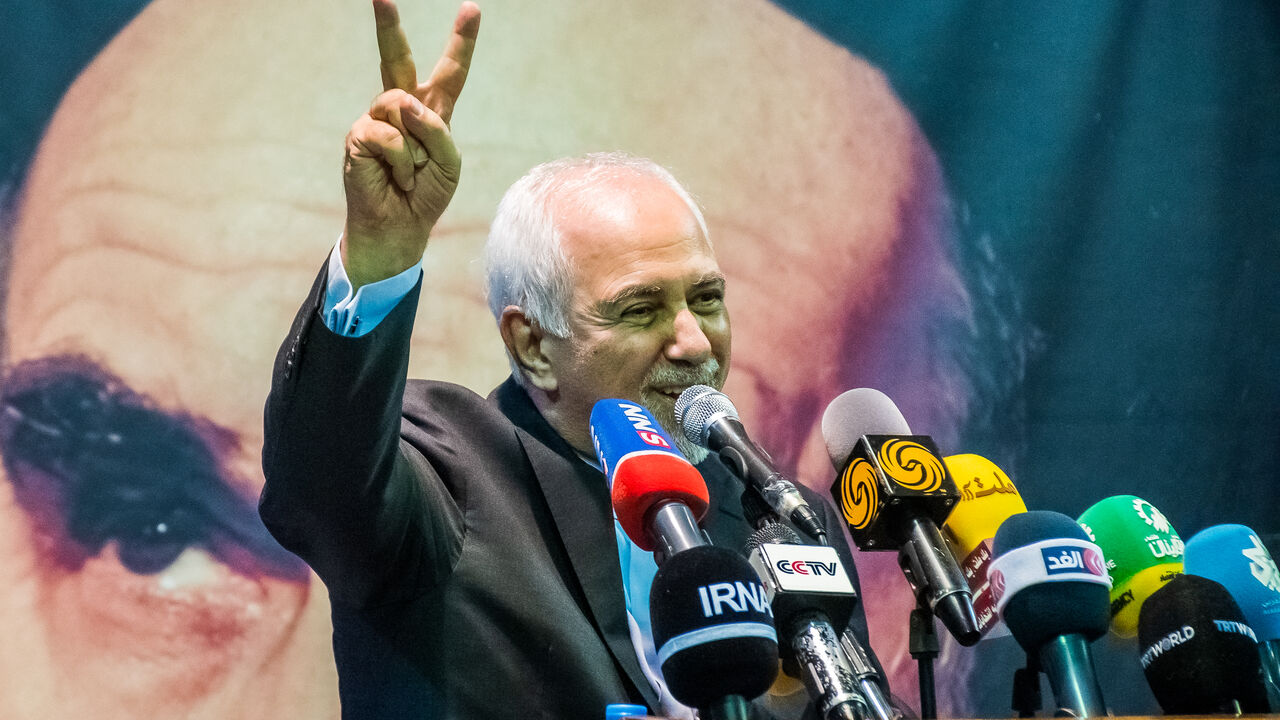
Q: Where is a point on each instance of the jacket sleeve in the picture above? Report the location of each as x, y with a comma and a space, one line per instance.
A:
366, 511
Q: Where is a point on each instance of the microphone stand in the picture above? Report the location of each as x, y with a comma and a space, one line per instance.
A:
1075, 696
1026, 688
923, 645
1076, 693
1269, 650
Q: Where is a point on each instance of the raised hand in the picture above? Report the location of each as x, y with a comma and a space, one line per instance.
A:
402, 167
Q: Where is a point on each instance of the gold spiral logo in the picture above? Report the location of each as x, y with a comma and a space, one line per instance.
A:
911, 465
858, 494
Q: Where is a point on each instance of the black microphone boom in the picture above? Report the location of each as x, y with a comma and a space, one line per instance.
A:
708, 418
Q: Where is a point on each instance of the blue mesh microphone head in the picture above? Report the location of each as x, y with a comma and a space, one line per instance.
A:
1234, 556
1075, 601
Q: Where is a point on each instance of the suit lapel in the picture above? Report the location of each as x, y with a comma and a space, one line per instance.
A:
578, 497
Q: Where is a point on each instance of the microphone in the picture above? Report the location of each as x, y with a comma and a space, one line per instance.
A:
1234, 556
708, 418
1051, 588
806, 587
894, 490
713, 627
987, 498
1142, 549
1198, 653
865, 670
712, 624
658, 495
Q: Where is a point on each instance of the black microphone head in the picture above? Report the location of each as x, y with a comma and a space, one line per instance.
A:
697, 407
712, 626
1197, 651
1050, 579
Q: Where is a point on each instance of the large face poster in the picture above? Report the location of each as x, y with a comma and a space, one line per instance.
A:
1049, 235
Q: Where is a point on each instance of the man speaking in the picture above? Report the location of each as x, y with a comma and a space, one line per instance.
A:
468, 543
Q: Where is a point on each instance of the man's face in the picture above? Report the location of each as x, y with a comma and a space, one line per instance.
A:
647, 317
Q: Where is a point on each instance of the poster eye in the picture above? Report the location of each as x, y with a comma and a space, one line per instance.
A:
147, 544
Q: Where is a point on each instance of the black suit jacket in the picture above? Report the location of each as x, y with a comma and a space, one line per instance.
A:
469, 553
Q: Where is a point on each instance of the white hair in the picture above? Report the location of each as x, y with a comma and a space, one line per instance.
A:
525, 265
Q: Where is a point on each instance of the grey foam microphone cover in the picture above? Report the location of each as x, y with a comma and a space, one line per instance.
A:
858, 412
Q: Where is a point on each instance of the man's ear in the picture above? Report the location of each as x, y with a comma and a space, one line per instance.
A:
523, 338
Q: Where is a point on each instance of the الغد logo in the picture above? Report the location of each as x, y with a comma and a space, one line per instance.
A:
858, 494
1261, 564
1093, 561
1059, 559
911, 465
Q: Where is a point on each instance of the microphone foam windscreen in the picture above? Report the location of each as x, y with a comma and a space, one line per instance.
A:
643, 481
1235, 557
1143, 553
987, 499
858, 412
713, 627
1197, 651
1039, 612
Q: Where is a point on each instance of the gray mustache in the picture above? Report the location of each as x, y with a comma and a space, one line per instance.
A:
704, 374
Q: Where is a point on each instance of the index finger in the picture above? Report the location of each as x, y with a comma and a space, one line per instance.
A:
398, 70
441, 91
